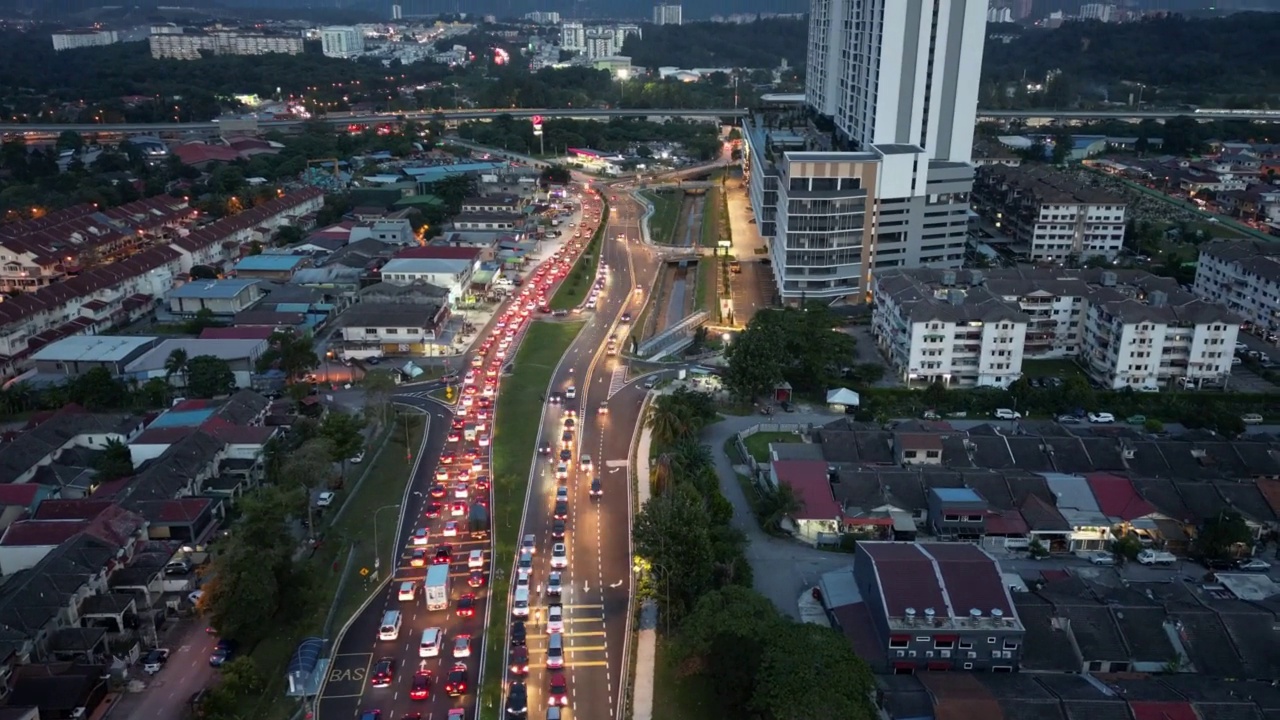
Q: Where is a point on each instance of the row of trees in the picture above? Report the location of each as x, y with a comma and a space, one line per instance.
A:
764, 44
797, 345
701, 139
758, 662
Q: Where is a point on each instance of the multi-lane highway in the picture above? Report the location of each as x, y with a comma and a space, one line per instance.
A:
595, 582
449, 488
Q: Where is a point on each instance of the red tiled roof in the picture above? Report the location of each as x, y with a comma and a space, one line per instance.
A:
236, 333
1270, 490
808, 480
950, 578
1117, 497
971, 577
1009, 522
960, 696
437, 252
1147, 710
176, 511
196, 153
20, 494
193, 404
38, 533
70, 509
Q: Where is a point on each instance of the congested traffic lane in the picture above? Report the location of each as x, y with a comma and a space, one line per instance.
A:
376, 670
593, 588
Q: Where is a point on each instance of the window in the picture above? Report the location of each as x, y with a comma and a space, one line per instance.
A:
898, 642
909, 454
968, 666
923, 639
951, 518
393, 331
1010, 645
1002, 669
966, 645
943, 644
371, 331
930, 453
991, 641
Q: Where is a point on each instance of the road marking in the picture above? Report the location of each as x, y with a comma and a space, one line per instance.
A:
614, 464
590, 663
618, 380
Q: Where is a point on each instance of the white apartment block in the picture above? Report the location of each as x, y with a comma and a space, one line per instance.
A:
1048, 215
1098, 11
573, 37
664, 14
183, 46
1244, 276
1128, 329
341, 41
72, 39
543, 18
602, 43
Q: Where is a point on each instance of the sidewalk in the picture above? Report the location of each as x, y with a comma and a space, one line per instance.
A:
647, 637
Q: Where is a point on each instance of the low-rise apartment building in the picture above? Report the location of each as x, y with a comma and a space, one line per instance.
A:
1048, 215
189, 46
972, 328
1244, 276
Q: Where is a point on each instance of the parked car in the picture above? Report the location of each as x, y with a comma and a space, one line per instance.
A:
1102, 558
1254, 565
1101, 417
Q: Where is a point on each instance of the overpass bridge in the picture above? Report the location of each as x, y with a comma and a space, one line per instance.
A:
1200, 114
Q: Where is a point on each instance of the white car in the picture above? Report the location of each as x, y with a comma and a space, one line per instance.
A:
529, 544
585, 463
462, 646
1007, 414
155, 660
555, 618
325, 499
1101, 417
1105, 559
562, 493
475, 560
553, 584
451, 529
559, 556
357, 458
421, 536
1254, 565
571, 392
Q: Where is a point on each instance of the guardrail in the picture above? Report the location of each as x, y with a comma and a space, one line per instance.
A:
658, 341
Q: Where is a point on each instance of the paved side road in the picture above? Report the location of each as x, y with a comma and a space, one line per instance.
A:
783, 569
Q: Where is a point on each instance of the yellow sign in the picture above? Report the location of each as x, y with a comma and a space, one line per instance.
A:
364, 572
448, 393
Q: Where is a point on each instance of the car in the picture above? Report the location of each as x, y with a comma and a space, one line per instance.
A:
562, 471
450, 529
566, 455
483, 440
476, 579
519, 663
562, 493
604, 409
626, 317
561, 511
1068, 420
374, 714
223, 652
1101, 417
444, 554
519, 634
544, 449
584, 463
555, 398
1254, 565
454, 714
357, 458
1007, 414
1105, 559
420, 689
597, 489
457, 509
555, 618
447, 458
475, 560
569, 424
1251, 419
517, 701
570, 393
437, 491
529, 544
325, 499
461, 491
421, 536
462, 645
155, 660
558, 692
559, 556
418, 557
456, 683
566, 438
453, 436
467, 606
383, 673
441, 477
553, 584
434, 509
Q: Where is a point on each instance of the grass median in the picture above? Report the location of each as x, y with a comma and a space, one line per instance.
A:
384, 485
666, 214
515, 438
573, 290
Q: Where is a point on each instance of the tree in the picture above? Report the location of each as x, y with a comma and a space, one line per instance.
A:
1063, 144
115, 462
342, 431
248, 580
97, 390
679, 416
289, 352
378, 387
176, 365
240, 682
555, 175
69, 140
671, 532
1222, 535
209, 376
794, 680
800, 346
307, 467
726, 637
776, 504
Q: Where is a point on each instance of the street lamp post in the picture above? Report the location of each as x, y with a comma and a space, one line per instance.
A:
643, 566
377, 557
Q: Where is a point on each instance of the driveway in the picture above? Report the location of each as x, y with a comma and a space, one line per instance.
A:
167, 692
783, 569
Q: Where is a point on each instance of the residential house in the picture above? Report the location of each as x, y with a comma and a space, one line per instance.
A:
505, 222
19, 501
395, 328
452, 275
1090, 528
26, 542
65, 431
817, 521
223, 298
957, 513
494, 204
389, 230
270, 266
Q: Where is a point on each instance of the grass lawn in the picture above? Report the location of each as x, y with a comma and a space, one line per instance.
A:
758, 444
384, 485
712, 218
680, 698
666, 214
515, 436
574, 288
704, 294
1051, 368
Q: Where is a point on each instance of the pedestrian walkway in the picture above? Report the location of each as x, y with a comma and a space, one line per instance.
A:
646, 658
618, 380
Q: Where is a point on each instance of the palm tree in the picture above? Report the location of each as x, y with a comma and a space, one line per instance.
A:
776, 505
175, 364
688, 458
667, 422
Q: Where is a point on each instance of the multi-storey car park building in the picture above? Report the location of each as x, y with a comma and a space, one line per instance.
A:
1127, 328
892, 181
1048, 216
1243, 275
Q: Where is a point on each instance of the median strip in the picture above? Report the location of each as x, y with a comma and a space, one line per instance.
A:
574, 288
520, 401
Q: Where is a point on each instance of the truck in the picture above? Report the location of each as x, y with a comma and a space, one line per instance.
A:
437, 586
1157, 557
478, 520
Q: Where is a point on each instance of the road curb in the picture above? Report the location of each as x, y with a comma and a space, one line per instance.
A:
632, 490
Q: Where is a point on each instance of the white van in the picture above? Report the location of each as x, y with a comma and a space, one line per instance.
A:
408, 591
555, 651
1007, 414
432, 640
389, 629
520, 605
